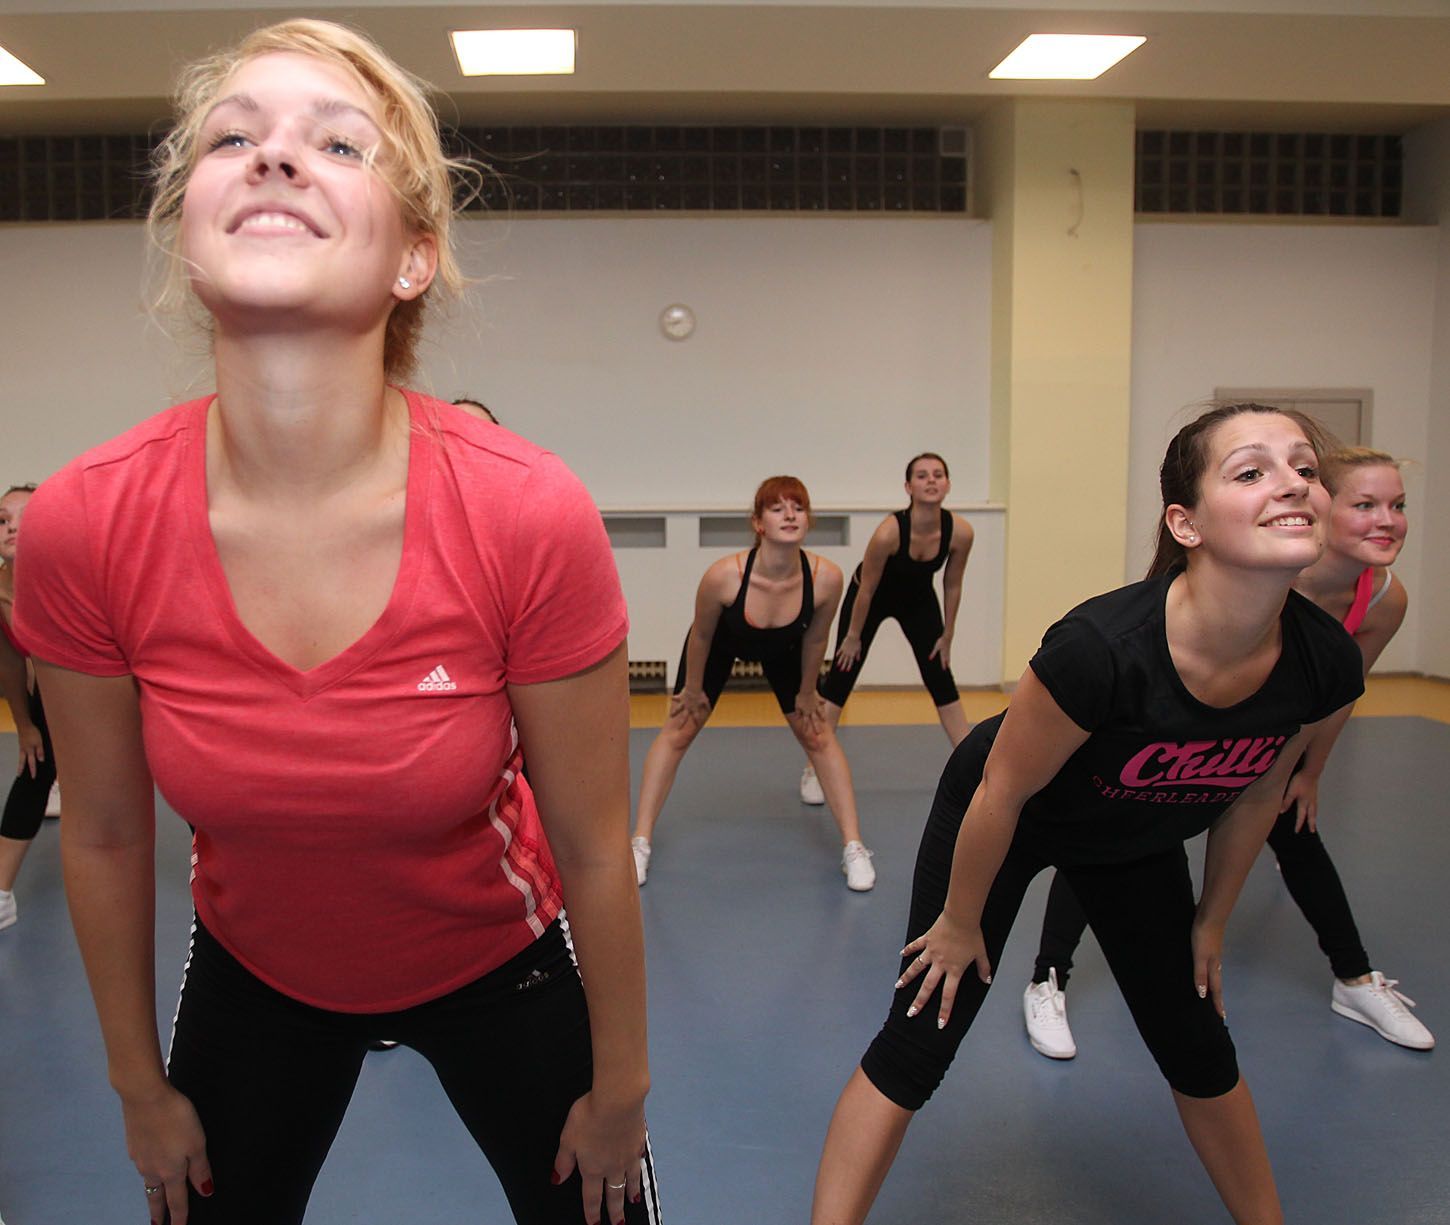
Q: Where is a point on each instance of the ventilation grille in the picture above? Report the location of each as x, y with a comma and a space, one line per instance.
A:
571, 169
653, 675
721, 169
648, 675
74, 178
1293, 174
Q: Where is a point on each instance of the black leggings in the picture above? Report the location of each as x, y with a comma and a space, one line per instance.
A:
782, 671
25, 805
1142, 913
271, 1079
919, 616
1308, 873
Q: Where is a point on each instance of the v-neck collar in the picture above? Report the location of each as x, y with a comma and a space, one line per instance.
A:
308, 682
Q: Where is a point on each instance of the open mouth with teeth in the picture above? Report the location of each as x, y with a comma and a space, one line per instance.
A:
1290, 521
273, 223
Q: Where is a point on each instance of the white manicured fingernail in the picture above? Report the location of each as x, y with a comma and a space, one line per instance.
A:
941, 1022
1203, 993
911, 1012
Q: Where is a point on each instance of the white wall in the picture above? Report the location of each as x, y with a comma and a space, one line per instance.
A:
831, 348
1234, 305
824, 347
834, 348
1427, 200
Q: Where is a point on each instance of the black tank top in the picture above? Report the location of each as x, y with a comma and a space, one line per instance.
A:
903, 573
757, 643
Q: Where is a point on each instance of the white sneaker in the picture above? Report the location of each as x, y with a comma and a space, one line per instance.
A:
811, 792
641, 849
7, 912
52, 803
1045, 1008
856, 864
1378, 1005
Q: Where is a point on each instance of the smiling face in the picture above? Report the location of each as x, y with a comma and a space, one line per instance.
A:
283, 211
1260, 503
1367, 517
783, 520
929, 483
12, 506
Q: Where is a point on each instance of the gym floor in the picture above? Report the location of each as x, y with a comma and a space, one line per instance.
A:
768, 978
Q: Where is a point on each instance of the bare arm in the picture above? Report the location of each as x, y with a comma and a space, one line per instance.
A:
962, 538
1234, 842
13, 684
884, 541
828, 587
1032, 744
709, 603
1380, 625
108, 856
575, 736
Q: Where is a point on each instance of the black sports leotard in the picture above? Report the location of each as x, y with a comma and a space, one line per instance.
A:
777, 648
906, 593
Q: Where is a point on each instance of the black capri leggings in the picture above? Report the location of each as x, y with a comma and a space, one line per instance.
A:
271, 1079
1142, 913
1309, 875
782, 671
919, 616
25, 805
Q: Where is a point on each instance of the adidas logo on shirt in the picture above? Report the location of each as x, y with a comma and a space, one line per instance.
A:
436, 680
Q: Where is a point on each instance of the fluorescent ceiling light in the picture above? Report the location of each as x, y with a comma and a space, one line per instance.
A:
1065, 57
13, 72
483, 53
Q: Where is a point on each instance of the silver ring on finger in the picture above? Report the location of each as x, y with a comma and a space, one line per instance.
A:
156, 1190
613, 1186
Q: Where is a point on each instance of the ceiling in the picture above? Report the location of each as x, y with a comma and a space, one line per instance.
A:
1330, 65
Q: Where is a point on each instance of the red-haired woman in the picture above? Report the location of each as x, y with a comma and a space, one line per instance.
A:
774, 606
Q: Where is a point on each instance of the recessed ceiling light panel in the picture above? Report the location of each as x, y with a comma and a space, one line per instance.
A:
483, 53
13, 72
1065, 57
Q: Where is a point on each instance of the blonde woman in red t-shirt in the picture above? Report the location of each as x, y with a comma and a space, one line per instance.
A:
327, 617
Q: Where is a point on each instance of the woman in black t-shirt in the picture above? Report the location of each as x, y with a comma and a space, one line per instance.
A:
1148, 715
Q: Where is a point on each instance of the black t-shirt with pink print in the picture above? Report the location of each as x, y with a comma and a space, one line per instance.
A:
1159, 765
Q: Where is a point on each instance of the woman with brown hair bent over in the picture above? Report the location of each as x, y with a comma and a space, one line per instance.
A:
1098, 766
773, 605
1352, 582
894, 579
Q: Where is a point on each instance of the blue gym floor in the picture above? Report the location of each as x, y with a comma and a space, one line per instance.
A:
767, 979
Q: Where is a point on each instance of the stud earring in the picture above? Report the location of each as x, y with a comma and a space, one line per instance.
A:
405, 283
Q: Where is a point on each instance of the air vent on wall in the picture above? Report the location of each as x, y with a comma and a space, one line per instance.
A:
756, 169
1289, 174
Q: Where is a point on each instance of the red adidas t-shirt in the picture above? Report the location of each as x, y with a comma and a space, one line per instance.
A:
364, 841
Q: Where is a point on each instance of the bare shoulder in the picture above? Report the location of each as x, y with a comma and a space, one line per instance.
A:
722, 576
962, 532
1389, 609
886, 536
828, 578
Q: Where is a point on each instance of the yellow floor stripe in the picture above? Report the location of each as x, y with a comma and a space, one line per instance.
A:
1389, 695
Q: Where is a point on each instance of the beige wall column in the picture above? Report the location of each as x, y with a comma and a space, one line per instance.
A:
1056, 179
